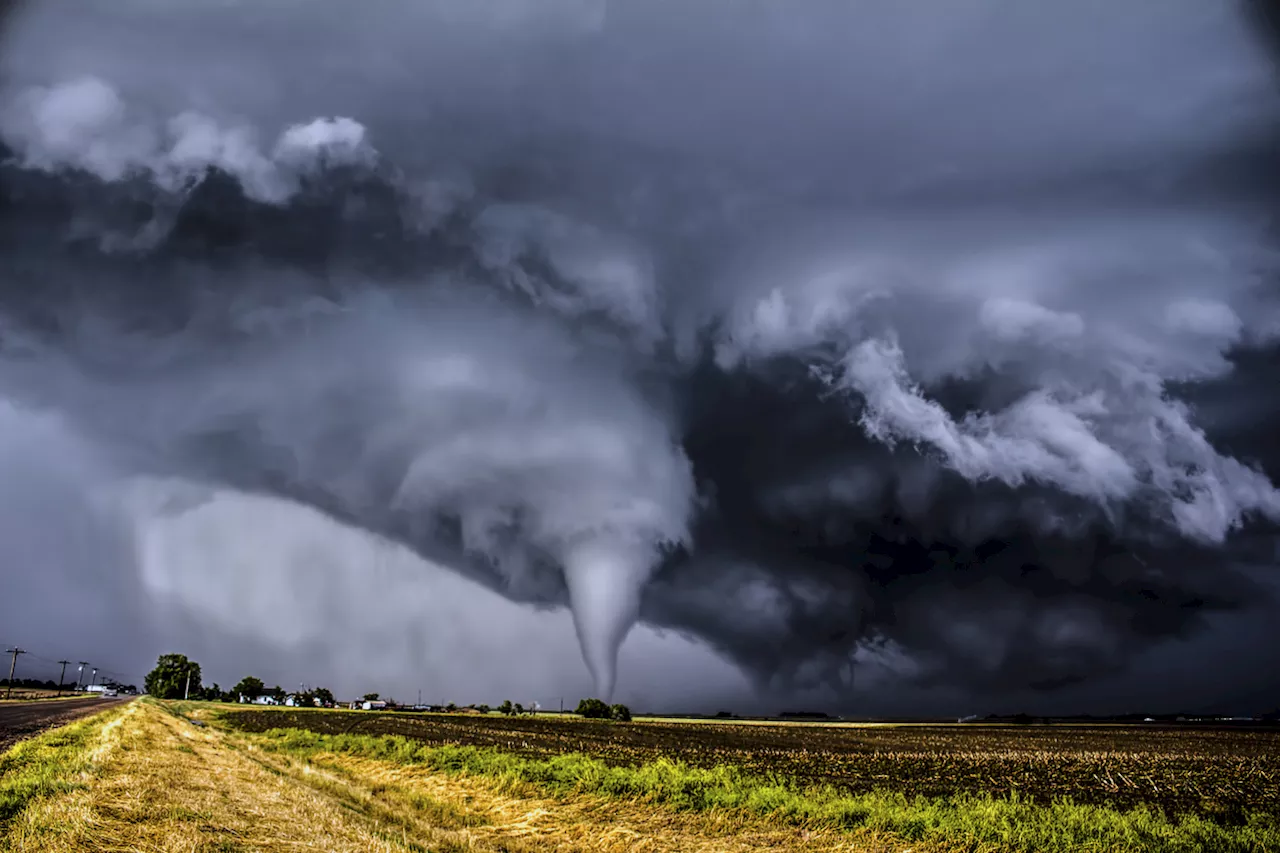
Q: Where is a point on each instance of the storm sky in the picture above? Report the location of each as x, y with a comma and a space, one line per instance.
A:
712, 354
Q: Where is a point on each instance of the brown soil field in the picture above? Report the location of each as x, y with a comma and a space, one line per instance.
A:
1222, 773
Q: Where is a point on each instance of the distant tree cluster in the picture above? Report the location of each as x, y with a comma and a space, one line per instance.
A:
174, 672
169, 680
598, 709
513, 709
32, 683
316, 696
213, 693
249, 687
50, 684
173, 676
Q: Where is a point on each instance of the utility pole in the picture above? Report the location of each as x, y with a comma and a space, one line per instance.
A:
13, 664
93, 677
62, 675
186, 693
80, 674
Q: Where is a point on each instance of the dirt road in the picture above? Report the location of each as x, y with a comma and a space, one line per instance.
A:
20, 720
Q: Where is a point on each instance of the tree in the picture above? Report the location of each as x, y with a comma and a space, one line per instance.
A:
483, 709
451, 707
325, 697
519, 709
370, 697
621, 713
249, 686
169, 679
506, 707
593, 709
277, 693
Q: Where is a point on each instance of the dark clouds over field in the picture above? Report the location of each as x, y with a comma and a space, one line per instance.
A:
898, 362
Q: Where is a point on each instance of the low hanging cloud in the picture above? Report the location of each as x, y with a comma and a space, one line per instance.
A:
83, 125
918, 359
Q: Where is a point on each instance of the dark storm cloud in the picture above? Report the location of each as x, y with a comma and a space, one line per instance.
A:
934, 350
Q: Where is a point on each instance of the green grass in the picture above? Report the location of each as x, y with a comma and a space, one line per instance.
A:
51, 763
962, 822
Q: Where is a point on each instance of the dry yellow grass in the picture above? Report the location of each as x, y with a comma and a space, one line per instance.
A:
452, 813
160, 783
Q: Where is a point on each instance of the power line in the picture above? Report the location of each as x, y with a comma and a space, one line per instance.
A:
13, 664
43, 667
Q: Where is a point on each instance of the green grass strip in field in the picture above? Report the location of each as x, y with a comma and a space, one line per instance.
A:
962, 822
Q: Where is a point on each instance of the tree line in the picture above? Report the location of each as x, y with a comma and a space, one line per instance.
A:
50, 684
177, 677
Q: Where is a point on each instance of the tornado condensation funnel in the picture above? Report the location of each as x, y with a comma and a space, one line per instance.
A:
604, 583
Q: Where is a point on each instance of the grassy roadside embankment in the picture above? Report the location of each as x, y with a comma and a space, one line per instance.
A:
146, 777
57, 762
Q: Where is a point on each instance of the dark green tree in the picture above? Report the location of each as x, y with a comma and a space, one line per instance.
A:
451, 707
506, 707
169, 679
370, 697
483, 709
593, 709
325, 697
621, 713
250, 687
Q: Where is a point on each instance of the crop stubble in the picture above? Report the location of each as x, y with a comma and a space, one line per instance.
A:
1223, 773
